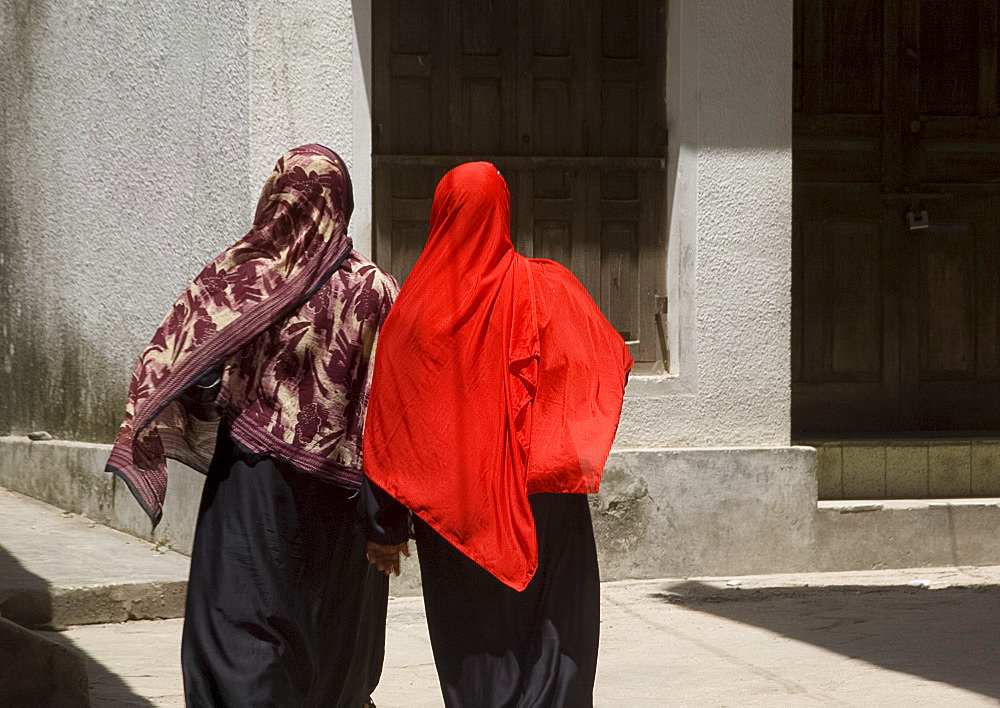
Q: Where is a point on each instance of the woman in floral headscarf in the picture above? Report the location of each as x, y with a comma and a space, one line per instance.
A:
259, 377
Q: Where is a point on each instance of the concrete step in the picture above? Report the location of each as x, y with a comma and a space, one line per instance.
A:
59, 569
71, 475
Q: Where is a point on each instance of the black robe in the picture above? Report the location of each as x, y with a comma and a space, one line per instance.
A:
283, 608
494, 646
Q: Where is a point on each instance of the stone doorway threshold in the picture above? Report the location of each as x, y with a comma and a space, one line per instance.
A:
908, 469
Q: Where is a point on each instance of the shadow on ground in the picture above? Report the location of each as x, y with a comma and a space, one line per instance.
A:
950, 635
25, 600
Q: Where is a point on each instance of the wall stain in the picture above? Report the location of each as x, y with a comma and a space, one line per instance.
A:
51, 377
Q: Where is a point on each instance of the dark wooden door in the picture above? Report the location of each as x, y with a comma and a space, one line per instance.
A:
895, 218
566, 98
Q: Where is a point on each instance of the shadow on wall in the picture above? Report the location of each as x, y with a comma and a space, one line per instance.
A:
949, 635
25, 600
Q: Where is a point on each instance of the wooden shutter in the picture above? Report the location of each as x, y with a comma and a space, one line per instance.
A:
567, 100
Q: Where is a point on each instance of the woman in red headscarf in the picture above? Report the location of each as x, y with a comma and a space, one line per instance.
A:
259, 377
497, 392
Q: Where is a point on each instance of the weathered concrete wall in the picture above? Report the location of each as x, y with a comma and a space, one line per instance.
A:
729, 109
135, 137
304, 64
124, 169
668, 513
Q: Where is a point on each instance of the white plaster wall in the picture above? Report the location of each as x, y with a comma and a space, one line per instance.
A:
135, 137
305, 67
729, 256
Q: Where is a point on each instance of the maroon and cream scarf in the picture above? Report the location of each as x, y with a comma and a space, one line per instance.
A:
298, 240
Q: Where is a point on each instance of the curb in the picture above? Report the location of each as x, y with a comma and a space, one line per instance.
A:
62, 607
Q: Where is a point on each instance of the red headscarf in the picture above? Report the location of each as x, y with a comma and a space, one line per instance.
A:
496, 377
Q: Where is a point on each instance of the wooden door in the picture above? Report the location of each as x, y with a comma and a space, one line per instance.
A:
567, 100
896, 186
951, 145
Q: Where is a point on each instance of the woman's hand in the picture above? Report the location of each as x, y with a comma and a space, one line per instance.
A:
386, 558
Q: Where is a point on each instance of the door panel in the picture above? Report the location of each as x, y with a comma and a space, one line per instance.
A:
951, 146
958, 297
855, 328
852, 56
947, 302
845, 310
948, 47
846, 318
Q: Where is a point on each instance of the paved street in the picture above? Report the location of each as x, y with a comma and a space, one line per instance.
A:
819, 639
890, 637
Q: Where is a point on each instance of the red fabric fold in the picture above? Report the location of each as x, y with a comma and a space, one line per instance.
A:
496, 376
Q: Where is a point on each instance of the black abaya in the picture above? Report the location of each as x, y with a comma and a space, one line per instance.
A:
494, 646
283, 608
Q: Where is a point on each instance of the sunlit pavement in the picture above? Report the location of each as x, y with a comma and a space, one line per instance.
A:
914, 637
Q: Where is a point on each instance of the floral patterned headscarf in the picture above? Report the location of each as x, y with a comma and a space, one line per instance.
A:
298, 239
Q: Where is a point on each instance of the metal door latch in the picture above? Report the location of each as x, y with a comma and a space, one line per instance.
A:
917, 219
